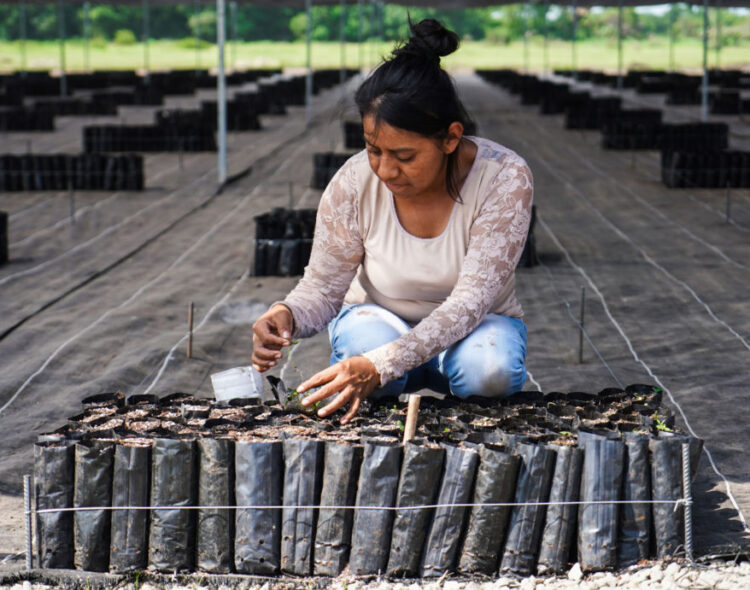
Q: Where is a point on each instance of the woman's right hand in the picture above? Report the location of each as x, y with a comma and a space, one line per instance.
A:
271, 332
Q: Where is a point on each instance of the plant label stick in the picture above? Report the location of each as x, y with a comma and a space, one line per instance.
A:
411, 417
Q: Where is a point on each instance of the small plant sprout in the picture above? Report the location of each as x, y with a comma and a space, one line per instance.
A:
400, 425
661, 423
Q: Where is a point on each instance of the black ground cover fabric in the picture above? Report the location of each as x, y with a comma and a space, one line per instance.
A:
93, 487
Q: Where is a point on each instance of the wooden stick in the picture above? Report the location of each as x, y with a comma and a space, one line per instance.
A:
190, 331
411, 417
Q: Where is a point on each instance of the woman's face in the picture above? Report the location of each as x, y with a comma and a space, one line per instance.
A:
409, 164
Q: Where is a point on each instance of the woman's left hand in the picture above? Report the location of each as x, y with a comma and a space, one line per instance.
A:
353, 379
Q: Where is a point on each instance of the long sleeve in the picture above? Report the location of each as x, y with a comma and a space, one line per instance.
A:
336, 254
496, 242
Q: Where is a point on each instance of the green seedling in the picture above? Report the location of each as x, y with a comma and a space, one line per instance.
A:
400, 425
661, 423
447, 429
566, 433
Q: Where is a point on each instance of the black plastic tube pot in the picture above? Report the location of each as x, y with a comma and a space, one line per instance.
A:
559, 531
666, 482
377, 486
444, 535
333, 534
53, 488
259, 470
418, 485
93, 487
171, 543
495, 483
634, 542
130, 487
303, 475
601, 481
215, 531
527, 522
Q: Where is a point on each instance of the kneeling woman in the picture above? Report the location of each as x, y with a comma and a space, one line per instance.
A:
416, 243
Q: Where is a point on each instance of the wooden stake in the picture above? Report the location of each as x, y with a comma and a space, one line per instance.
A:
190, 331
580, 332
411, 417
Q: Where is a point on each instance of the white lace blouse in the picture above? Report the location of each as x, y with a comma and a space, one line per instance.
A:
443, 286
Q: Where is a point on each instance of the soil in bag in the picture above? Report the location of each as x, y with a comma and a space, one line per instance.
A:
666, 481
446, 528
418, 485
485, 532
53, 488
93, 487
601, 481
303, 475
333, 534
215, 531
634, 541
259, 470
560, 526
526, 522
171, 544
377, 486
130, 487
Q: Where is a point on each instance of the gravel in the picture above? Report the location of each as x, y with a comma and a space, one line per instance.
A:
718, 575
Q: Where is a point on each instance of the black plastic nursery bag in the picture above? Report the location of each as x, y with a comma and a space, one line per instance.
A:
666, 481
444, 534
560, 525
333, 534
259, 469
53, 488
303, 474
377, 486
171, 543
418, 485
93, 487
130, 487
601, 481
215, 530
527, 522
634, 542
485, 532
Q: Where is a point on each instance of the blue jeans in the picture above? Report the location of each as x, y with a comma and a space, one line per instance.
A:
489, 362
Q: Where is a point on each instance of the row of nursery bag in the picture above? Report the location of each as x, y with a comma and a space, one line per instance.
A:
423, 509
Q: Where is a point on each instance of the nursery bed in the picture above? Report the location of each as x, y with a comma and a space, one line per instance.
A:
119, 331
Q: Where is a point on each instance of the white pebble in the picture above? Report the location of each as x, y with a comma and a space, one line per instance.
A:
575, 574
453, 585
655, 573
528, 583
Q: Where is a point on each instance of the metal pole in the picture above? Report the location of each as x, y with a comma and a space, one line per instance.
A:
27, 518
672, 18
221, 91
574, 57
704, 85
583, 317
233, 17
22, 24
342, 37
619, 45
718, 35
86, 37
729, 203
309, 76
196, 15
61, 34
146, 35
687, 494
191, 311
360, 45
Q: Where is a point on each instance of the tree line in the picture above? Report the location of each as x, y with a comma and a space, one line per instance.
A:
252, 23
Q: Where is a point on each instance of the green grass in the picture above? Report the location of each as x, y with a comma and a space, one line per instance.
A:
599, 54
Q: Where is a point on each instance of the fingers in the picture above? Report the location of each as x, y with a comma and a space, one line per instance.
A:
353, 409
320, 378
339, 402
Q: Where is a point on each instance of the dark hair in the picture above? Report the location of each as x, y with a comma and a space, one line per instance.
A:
410, 90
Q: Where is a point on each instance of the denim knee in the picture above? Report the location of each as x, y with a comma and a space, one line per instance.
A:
490, 362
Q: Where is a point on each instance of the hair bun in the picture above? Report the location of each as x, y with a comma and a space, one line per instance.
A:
429, 39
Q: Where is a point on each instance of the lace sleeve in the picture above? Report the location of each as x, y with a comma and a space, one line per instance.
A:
496, 241
336, 253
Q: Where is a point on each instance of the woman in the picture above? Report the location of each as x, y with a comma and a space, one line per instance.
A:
416, 243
